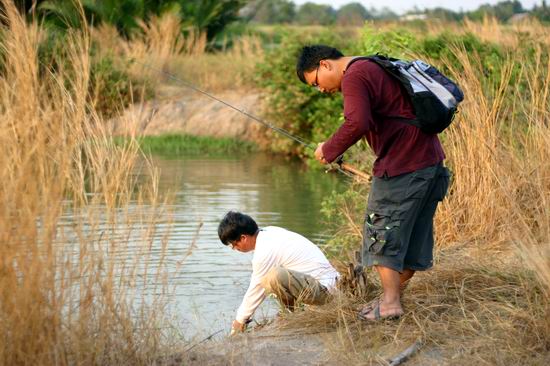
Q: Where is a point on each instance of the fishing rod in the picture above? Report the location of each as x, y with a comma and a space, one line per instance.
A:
342, 167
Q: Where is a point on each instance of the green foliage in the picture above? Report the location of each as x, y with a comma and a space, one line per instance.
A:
210, 16
395, 43
542, 12
385, 13
438, 49
503, 10
123, 14
65, 14
294, 106
444, 14
315, 14
352, 14
173, 145
271, 11
441, 47
111, 87
338, 209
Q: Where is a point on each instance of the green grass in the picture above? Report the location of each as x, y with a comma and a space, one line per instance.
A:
174, 144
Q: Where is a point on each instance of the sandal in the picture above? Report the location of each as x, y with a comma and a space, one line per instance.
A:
377, 316
367, 308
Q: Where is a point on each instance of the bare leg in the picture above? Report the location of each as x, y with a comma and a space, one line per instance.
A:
391, 299
404, 278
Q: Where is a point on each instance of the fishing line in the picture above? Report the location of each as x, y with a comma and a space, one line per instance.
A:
249, 115
280, 130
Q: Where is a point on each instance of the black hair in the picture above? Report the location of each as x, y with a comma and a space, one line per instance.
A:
235, 224
310, 56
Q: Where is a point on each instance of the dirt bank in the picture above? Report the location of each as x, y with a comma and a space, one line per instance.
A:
268, 346
178, 110
284, 346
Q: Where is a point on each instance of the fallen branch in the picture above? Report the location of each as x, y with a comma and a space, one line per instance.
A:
404, 356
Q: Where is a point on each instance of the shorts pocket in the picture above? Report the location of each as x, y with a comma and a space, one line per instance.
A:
381, 234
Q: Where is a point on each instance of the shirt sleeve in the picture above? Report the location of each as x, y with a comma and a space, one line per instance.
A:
357, 116
255, 293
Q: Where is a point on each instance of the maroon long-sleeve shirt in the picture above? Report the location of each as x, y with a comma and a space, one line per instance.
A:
372, 100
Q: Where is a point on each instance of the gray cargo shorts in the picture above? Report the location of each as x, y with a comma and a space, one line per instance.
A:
398, 231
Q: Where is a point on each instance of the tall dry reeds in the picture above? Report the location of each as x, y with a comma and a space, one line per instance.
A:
74, 239
511, 35
228, 70
162, 47
499, 151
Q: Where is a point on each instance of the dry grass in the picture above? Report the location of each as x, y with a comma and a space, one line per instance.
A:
230, 69
509, 35
465, 311
67, 286
162, 46
499, 151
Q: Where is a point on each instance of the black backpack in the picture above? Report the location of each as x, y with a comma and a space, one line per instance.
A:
434, 96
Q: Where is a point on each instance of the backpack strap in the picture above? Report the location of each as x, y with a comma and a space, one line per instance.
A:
386, 64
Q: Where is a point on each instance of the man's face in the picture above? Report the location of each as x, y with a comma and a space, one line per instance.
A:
324, 77
244, 244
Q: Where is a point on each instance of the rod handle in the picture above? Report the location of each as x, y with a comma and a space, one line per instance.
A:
358, 173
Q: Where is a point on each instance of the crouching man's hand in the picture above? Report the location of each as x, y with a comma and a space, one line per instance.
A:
237, 327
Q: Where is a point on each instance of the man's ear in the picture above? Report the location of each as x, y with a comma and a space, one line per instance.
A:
326, 63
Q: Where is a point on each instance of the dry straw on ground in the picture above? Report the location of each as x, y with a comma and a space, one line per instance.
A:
74, 239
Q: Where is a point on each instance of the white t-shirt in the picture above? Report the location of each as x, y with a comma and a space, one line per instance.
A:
278, 247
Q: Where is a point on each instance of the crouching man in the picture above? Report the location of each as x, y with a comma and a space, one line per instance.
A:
284, 263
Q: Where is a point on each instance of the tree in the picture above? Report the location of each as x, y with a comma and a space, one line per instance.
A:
314, 14
542, 12
502, 10
352, 14
210, 16
444, 14
271, 11
383, 14
123, 14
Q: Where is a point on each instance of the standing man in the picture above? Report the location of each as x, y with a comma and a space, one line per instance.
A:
284, 263
409, 178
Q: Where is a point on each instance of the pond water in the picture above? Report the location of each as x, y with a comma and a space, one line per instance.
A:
209, 286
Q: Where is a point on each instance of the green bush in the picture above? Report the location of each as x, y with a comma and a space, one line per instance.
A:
209, 16
294, 106
396, 43
338, 209
112, 89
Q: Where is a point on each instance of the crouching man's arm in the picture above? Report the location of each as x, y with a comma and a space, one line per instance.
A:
253, 297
